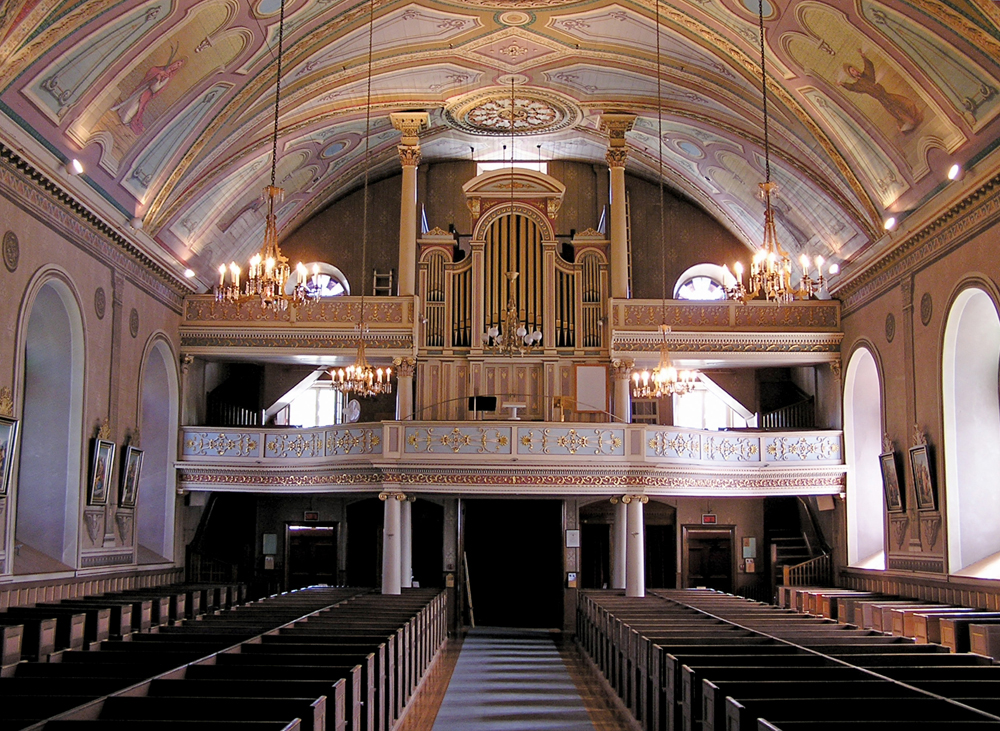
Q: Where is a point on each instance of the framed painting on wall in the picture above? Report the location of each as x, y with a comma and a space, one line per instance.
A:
131, 468
8, 448
890, 482
101, 468
923, 478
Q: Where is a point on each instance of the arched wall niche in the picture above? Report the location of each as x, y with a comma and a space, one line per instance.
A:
970, 367
862, 441
50, 377
159, 391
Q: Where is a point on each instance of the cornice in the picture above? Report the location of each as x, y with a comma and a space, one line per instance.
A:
973, 214
740, 342
30, 189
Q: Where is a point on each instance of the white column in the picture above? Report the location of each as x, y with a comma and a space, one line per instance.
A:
409, 155
410, 124
405, 368
406, 539
621, 371
619, 224
619, 550
616, 125
390, 544
635, 567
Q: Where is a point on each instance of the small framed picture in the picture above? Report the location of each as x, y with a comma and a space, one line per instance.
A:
923, 478
8, 448
102, 467
131, 468
890, 482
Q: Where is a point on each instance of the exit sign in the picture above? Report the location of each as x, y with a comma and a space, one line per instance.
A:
709, 519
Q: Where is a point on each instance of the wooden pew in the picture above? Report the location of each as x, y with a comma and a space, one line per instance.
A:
97, 625
39, 634
120, 613
955, 628
11, 640
312, 712
778, 711
68, 626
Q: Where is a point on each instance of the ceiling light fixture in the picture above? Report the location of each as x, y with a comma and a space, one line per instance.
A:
890, 223
363, 379
771, 267
73, 167
665, 380
956, 172
268, 271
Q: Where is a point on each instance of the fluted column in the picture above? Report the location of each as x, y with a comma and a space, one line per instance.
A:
635, 565
616, 125
410, 124
405, 368
391, 543
621, 371
619, 545
406, 542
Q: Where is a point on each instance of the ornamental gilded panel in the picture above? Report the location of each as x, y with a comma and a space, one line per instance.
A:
458, 440
682, 445
297, 445
222, 444
562, 441
353, 441
804, 448
731, 449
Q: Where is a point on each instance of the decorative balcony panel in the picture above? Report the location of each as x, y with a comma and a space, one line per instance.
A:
458, 440
685, 315
805, 448
221, 443
462, 457
585, 442
343, 442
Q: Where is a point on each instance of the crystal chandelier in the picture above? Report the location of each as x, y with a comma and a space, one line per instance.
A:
665, 380
771, 267
513, 338
268, 273
363, 379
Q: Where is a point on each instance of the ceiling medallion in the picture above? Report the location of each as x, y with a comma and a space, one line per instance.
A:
489, 113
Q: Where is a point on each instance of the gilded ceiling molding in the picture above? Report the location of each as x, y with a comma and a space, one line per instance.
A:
970, 216
32, 191
964, 27
752, 68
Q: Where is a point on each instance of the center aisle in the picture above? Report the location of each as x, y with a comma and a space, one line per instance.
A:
512, 679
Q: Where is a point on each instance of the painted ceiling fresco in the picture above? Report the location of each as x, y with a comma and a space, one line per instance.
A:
168, 103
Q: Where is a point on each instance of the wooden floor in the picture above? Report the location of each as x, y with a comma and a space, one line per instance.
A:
603, 709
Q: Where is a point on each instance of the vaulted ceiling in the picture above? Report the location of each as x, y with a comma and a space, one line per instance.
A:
168, 103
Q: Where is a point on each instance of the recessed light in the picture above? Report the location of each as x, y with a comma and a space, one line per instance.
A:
890, 223
189, 273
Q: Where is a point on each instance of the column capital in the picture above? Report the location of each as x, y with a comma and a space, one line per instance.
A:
639, 498
621, 369
405, 367
616, 157
409, 155
398, 496
615, 126
410, 124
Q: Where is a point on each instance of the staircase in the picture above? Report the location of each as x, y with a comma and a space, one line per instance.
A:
792, 541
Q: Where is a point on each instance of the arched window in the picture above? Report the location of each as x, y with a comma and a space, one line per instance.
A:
703, 282
158, 422
49, 484
862, 441
971, 433
324, 280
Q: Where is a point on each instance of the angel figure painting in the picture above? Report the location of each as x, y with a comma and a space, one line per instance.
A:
131, 109
904, 110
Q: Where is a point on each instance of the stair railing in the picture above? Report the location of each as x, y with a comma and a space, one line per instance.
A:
814, 572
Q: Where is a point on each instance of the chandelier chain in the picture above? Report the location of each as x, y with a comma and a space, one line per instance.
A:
277, 94
763, 91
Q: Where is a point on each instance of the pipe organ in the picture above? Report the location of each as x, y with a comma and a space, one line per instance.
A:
560, 290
